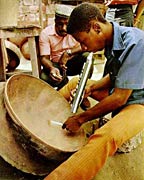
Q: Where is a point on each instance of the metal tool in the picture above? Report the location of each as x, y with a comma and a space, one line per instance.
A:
84, 76
51, 122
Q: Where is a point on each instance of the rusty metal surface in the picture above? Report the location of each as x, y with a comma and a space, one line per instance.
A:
31, 103
16, 161
14, 154
7, 172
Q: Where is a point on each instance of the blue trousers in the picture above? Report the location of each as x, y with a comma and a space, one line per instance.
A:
122, 14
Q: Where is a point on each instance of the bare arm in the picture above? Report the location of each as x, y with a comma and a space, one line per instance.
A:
76, 50
117, 99
105, 106
139, 11
101, 84
46, 62
68, 54
93, 86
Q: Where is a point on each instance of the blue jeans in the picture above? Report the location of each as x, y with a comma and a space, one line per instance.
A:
122, 14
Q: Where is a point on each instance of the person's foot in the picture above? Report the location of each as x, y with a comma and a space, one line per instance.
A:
85, 104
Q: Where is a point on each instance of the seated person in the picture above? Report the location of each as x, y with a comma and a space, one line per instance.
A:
61, 54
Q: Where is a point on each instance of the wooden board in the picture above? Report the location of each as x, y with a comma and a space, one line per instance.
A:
8, 13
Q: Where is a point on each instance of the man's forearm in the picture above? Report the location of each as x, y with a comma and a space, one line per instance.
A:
46, 62
101, 84
76, 50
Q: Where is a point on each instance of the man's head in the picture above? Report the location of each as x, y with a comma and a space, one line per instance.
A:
62, 13
88, 26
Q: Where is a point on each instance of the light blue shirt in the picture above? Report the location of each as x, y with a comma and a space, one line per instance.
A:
128, 46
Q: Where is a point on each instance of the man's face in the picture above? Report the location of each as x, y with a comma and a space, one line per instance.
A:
61, 26
90, 41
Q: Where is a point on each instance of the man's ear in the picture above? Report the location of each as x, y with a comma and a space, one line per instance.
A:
96, 27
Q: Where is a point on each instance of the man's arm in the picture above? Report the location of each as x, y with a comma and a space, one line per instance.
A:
105, 106
68, 54
138, 12
110, 103
75, 50
46, 62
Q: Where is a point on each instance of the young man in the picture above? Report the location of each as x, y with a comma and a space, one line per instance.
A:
120, 91
57, 48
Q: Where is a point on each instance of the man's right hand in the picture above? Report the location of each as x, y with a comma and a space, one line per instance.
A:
55, 74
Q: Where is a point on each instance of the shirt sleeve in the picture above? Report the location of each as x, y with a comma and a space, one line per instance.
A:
44, 44
131, 73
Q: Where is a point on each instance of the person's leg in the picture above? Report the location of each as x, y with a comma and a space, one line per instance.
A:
47, 78
66, 90
122, 15
125, 16
85, 164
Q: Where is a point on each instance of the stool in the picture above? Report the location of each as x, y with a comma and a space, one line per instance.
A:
31, 33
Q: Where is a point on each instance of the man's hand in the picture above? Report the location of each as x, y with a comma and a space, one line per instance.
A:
63, 60
88, 91
72, 94
55, 74
72, 124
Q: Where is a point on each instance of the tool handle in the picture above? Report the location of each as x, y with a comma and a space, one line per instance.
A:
84, 76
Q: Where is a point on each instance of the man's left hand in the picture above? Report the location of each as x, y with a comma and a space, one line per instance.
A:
63, 60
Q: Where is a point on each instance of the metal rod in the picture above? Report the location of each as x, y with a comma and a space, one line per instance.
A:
51, 122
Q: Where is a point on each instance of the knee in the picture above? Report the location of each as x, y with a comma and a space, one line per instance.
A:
107, 138
73, 83
43, 76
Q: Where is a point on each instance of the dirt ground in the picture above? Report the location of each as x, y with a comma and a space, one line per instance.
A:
126, 166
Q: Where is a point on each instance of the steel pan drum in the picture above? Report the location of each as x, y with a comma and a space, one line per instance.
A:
13, 153
31, 103
120, 166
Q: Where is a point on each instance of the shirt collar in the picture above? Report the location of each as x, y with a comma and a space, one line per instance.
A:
117, 40
118, 44
53, 31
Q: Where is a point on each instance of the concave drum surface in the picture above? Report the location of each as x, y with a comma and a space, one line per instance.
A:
31, 103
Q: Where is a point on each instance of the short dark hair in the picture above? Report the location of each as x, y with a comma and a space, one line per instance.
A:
81, 17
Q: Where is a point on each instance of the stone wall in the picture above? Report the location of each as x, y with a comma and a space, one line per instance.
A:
29, 13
